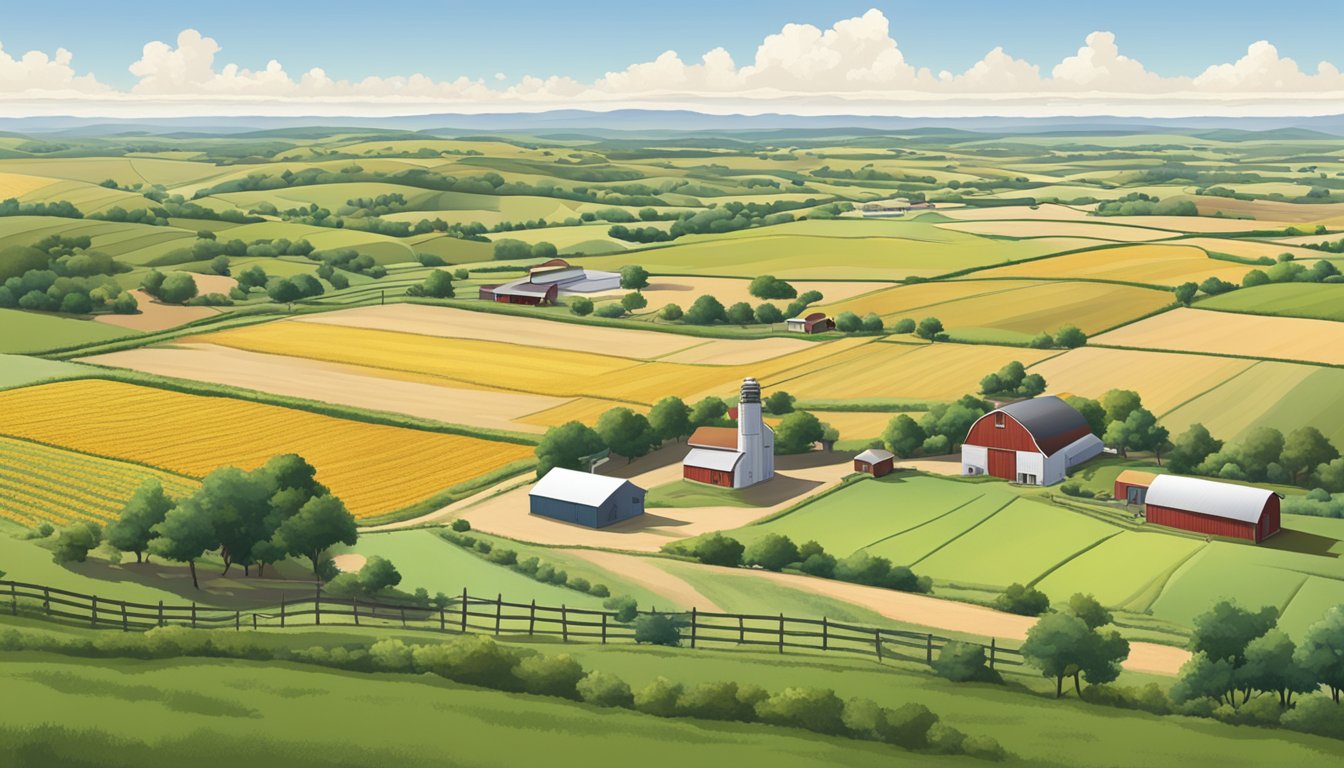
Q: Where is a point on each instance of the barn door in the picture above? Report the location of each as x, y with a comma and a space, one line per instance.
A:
1003, 463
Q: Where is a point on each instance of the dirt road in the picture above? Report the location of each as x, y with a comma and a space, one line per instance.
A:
641, 571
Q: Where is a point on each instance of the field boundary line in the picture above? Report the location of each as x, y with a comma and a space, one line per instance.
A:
1210, 390
1073, 557
1167, 577
926, 522
979, 523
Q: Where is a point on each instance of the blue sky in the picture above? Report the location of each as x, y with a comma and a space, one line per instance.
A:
584, 40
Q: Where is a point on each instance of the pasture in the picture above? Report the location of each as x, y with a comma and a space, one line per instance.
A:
1281, 395
30, 332
1320, 301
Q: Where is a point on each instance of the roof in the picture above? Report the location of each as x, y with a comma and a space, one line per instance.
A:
523, 288
1207, 497
1135, 477
581, 488
1051, 421
714, 437
552, 263
711, 458
875, 455
815, 316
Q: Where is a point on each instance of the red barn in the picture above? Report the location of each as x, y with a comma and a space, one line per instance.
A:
875, 462
1131, 486
817, 322
520, 292
1213, 508
1034, 442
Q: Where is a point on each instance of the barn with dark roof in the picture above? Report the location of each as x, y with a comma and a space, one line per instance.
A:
1034, 442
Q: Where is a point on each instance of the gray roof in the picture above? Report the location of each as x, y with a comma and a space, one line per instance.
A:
1046, 418
874, 455
709, 458
522, 288
582, 488
1207, 497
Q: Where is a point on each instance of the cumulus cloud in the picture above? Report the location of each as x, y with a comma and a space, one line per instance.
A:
853, 66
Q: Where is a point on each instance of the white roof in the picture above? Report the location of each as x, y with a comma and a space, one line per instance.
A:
1234, 502
709, 458
874, 455
577, 487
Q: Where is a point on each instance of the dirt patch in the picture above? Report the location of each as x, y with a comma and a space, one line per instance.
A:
334, 383
936, 465
349, 562
447, 322
154, 316
649, 576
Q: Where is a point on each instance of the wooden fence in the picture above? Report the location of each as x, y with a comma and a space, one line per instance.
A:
469, 614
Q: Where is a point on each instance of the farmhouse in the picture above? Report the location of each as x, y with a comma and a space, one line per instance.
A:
1212, 508
585, 499
734, 458
817, 322
547, 281
1034, 442
875, 462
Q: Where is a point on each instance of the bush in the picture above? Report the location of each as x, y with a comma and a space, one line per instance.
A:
657, 629
904, 325
461, 525
847, 322
473, 660
610, 309
1022, 600
625, 606
715, 701
963, 662
772, 552
984, 748
579, 583
603, 689
815, 709
599, 590
658, 698
550, 675
74, 541
1315, 714
1150, 698
671, 312
945, 739
717, 549
908, 726
502, 556
581, 306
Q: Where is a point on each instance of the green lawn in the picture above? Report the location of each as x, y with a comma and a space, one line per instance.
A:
29, 332
683, 493
1324, 301
18, 371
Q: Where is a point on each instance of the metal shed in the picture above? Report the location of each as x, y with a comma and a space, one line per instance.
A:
586, 499
1213, 508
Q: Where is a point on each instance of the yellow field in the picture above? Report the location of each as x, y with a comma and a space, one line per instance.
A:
1154, 264
19, 184
40, 484
1015, 306
512, 367
1254, 249
1163, 379
584, 409
375, 469
920, 372
1040, 228
1195, 330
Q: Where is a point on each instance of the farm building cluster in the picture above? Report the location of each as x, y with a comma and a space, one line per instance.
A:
547, 281
734, 457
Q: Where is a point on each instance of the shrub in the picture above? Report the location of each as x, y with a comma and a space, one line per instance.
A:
945, 739
604, 689
1150, 698
815, 709
908, 726
1022, 600
473, 660
772, 552
610, 309
657, 629
599, 590
717, 549
714, 701
1315, 714
391, 656
74, 541
847, 322
658, 698
670, 312
963, 662
550, 675
579, 583
461, 525
625, 606
544, 572
904, 325
581, 306
503, 556
528, 565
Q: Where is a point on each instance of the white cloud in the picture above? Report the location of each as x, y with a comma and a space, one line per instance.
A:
854, 66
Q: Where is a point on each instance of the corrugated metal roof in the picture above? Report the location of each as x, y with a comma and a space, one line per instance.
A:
522, 288
711, 458
578, 487
875, 455
1135, 477
714, 437
1207, 497
1047, 419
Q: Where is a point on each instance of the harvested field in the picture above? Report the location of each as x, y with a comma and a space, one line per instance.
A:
1253, 249
449, 323
154, 316
1193, 224
1168, 265
334, 383
1194, 330
856, 425
1271, 210
584, 409
1033, 229
1164, 379
20, 184
734, 352
375, 469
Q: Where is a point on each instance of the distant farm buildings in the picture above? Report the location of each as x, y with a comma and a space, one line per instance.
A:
894, 207
545, 282
817, 322
581, 498
875, 462
1034, 442
734, 458
1203, 506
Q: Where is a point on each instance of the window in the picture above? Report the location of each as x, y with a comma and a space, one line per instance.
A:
998, 421
635, 500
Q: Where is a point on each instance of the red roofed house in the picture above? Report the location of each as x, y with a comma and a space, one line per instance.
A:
1034, 442
817, 322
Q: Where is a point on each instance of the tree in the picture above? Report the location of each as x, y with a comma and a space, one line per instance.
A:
771, 287
779, 402
564, 445
1185, 293
626, 432
76, 303
904, 325
1224, 631
670, 419
872, 323
438, 285
1062, 645
772, 552
903, 436
632, 301
1118, 403
717, 549
1041, 341
185, 534
512, 249
1070, 337
132, 529
708, 410
1086, 607
544, 250
768, 314
283, 291
177, 288
581, 306
74, 541
848, 322
321, 523
671, 313
1091, 411
237, 505
962, 662
706, 310
657, 629
740, 313
1271, 667
1191, 448
634, 277
929, 328
1304, 449
610, 309
797, 432
220, 265
152, 282
1203, 677
125, 304
1022, 600
378, 574
1321, 653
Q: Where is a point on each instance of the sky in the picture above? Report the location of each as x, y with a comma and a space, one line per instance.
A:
1139, 57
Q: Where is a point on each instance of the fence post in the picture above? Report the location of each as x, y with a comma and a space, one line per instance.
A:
443, 618
993, 646
741, 631
93, 611
254, 621
237, 620
13, 599
499, 609
160, 613
825, 635
354, 609
693, 617
124, 626
564, 623
928, 653
877, 643
781, 633
604, 629
532, 617
317, 607
403, 617
193, 614
464, 610
46, 599
282, 611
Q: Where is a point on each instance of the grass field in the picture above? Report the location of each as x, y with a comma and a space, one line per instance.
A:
375, 469
1280, 395
17, 370
1165, 265
1322, 301
29, 332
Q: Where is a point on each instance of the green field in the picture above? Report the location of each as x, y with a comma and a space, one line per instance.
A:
1281, 395
1323, 301
27, 332
19, 371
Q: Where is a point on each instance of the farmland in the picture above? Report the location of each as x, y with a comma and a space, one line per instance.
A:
1316, 301
1193, 330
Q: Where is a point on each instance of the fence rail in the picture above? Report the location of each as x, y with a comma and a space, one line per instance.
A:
470, 614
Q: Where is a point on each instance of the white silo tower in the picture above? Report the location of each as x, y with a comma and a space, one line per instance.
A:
755, 440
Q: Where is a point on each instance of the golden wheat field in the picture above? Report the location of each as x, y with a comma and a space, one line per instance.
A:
1226, 333
41, 484
1023, 229
374, 468
1168, 265
1163, 379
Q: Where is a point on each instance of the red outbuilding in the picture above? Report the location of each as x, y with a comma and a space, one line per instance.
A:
1213, 508
817, 322
875, 462
1131, 486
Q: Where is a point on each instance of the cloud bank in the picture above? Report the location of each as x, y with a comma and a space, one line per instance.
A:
853, 67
